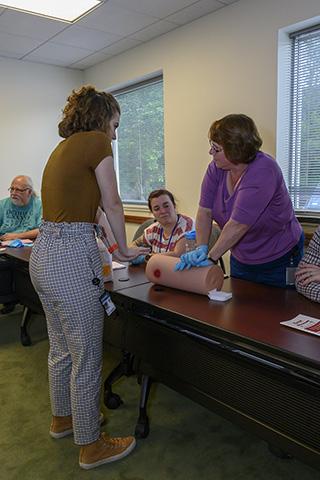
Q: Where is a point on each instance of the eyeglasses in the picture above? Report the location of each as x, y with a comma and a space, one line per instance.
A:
214, 147
18, 190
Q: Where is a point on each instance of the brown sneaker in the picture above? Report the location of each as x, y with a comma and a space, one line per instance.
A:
105, 450
62, 426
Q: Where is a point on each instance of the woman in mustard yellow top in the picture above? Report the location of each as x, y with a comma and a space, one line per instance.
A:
66, 269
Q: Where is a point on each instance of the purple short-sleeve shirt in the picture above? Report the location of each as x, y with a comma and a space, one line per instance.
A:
260, 200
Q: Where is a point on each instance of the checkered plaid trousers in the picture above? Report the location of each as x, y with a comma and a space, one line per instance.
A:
64, 261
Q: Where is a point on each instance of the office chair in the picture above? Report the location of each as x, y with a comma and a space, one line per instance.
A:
126, 365
142, 426
129, 365
142, 227
7, 287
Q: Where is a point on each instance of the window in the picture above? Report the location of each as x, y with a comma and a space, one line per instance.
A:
139, 149
300, 158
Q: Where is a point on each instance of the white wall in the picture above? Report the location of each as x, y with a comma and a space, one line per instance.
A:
31, 99
222, 63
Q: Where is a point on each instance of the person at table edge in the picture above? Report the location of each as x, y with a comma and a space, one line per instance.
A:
244, 191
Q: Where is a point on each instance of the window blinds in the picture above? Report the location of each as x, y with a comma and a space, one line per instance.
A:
304, 148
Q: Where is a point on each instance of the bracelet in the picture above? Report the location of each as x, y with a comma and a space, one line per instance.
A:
113, 248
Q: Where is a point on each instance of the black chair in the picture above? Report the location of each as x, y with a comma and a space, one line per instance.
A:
7, 287
28, 297
142, 426
9, 296
142, 228
129, 365
117, 330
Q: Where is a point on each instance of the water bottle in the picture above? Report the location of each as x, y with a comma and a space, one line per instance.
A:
190, 240
106, 259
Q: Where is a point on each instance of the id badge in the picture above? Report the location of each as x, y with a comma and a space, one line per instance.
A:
290, 275
107, 303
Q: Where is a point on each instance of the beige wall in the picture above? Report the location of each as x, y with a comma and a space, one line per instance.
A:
31, 99
131, 230
224, 62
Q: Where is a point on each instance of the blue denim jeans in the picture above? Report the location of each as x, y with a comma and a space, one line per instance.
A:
270, 273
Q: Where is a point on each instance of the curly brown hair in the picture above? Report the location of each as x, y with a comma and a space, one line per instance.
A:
238, 136
87, 110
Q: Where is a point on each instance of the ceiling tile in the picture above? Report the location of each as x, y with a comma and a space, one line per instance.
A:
114, 20
154, 30
16, 45
91, 60
159, 9
31, 26
63, 55
5, 55
121, 46
114, 27
197, 10
85, 38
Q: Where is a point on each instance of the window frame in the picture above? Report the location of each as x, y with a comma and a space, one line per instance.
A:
284, 105
153, 78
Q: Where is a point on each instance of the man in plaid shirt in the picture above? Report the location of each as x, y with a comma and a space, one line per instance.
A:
308, 272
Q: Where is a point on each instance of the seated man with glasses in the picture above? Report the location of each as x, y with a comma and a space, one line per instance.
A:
20, 217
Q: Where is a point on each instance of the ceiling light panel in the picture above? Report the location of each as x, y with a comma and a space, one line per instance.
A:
68, 11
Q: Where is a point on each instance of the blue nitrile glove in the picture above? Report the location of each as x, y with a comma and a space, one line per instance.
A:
139, 260
193, 258
16, 243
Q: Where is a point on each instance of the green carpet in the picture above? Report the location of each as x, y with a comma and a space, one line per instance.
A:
186, 442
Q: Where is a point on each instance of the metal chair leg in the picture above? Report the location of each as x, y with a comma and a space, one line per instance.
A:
142, 428
125, 367
24, 336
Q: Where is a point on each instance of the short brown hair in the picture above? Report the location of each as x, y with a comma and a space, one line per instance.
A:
87, 110
158, 193
238, 136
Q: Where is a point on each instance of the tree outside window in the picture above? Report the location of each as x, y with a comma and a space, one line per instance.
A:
139, 153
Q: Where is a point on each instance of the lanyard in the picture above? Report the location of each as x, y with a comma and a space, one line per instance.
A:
172, 232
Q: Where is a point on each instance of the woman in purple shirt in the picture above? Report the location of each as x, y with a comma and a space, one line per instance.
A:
244, 192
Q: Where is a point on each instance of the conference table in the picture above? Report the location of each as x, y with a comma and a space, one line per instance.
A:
234, 357
19, 259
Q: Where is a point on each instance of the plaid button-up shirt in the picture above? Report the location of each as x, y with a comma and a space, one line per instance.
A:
311, 256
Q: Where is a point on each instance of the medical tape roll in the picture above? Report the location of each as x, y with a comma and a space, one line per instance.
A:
160, 270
